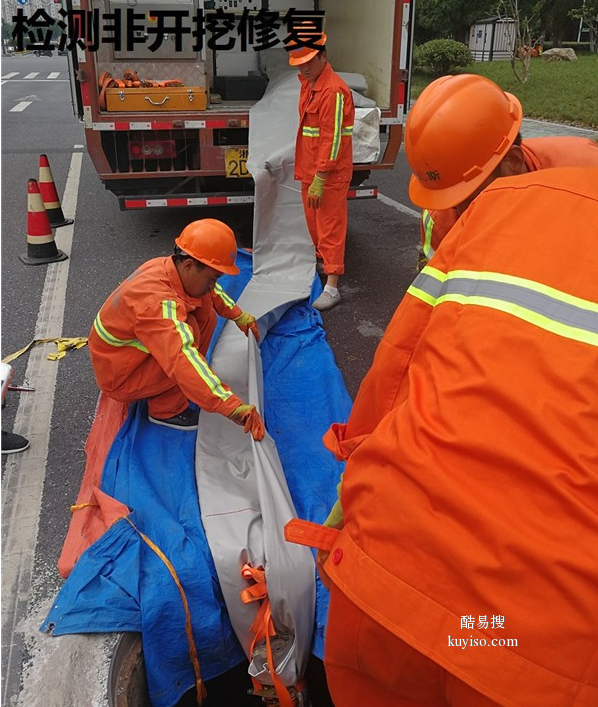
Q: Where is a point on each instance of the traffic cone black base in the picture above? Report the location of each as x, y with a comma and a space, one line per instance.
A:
50, 195
41, 248
57, 219
42, 260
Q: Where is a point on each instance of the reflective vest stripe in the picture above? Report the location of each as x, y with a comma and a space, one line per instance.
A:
223, 296
428, 223
111, 340
338, 126
192, 354
347, 131
543, 306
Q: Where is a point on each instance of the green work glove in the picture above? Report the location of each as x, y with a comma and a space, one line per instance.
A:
315, 192
249, 417
245, 322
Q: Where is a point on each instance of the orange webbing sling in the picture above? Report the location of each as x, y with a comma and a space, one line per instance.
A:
263, 628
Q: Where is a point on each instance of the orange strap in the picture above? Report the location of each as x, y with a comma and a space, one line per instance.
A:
201, 688
304, 532
263, 627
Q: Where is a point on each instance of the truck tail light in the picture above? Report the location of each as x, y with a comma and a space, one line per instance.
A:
152, 149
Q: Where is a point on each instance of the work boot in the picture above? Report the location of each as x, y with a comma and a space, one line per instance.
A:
186, 420
12, 443
326, 301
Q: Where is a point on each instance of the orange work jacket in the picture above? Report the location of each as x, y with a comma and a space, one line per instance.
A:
147, 316
471, 487
539, 153
326, 117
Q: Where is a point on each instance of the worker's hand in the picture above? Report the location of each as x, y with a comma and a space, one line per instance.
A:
245, 322
315, 192
249, 417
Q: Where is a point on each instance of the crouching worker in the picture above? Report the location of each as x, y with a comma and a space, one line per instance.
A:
150, 338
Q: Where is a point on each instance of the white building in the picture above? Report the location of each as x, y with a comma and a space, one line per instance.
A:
492, 38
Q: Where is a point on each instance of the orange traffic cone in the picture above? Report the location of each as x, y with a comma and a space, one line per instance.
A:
50, 195
40, 239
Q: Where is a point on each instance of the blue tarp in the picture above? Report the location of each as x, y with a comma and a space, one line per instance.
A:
120, 584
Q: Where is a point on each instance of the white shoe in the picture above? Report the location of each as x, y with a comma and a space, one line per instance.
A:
326, 301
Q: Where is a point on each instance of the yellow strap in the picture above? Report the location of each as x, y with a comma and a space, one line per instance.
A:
63, 344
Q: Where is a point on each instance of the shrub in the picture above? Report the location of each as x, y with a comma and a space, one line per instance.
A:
441, 56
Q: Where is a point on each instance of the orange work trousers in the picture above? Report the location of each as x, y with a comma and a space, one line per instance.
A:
164, 397
366, 664
327, 225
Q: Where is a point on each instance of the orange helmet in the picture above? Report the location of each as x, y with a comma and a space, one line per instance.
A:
304, 54
456, 134
212, 243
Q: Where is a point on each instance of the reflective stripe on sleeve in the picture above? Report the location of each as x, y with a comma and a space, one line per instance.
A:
428, 223
543, 306
192, 354
112, 340
338, 125
347, 131
223, 296
310, 132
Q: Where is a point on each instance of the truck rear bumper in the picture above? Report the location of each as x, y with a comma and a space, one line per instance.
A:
128, 203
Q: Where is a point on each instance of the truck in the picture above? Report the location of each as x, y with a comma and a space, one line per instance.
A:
164, 88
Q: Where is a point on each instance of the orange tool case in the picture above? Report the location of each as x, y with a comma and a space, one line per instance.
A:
156, 99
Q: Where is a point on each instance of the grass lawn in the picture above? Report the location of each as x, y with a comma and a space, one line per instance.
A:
559, 91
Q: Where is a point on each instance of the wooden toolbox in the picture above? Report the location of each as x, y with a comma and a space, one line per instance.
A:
156, 100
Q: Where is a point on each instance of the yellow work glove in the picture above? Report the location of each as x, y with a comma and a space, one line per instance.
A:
249, 417
315, 192
245, 322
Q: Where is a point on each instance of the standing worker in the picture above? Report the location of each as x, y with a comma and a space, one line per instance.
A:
468, 511
150, 338
469, 108
324, 159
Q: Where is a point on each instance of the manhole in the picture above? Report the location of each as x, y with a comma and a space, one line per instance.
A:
127, 682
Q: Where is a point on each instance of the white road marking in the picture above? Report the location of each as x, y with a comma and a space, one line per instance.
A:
54, 75
37, 80
23, 482
32, 75
398, 206
9, 76
20, 107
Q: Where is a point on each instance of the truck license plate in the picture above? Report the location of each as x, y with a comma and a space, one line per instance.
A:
236, 162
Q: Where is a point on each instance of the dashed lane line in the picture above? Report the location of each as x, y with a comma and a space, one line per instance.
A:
20, 107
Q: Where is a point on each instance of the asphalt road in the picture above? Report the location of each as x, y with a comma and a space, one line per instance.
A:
39, 485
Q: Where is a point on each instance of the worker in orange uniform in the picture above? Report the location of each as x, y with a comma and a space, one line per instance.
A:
468, 513
527, 155
150, 338
324, 160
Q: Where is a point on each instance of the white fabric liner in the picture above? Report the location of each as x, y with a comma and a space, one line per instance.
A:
244, 498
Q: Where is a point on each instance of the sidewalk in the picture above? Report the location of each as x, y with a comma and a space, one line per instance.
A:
540, 128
